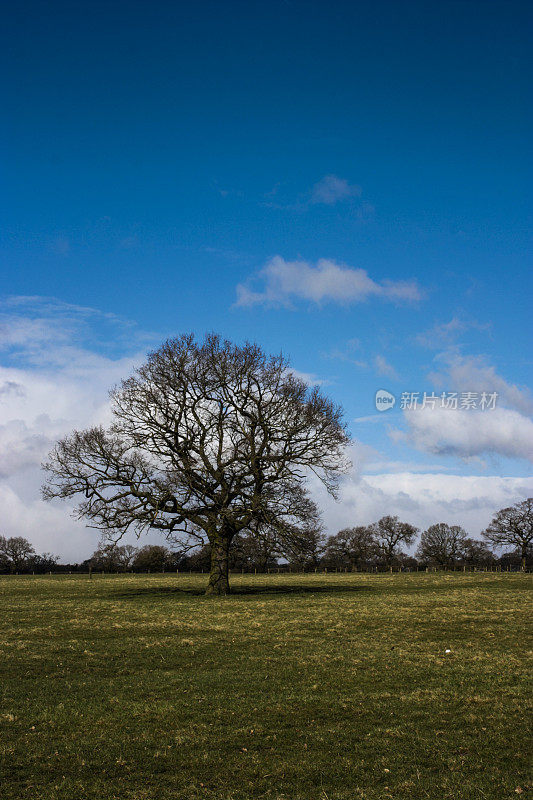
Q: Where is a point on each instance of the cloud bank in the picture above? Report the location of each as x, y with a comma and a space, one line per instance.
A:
50, 383
467, 433
422, 499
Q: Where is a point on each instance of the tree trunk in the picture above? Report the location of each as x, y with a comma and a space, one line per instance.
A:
218, 577
524, 554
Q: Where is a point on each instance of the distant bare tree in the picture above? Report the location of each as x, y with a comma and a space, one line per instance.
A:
199, 559
351, 547
14, 552
125, 555
113, 558
513, 526
442, 544
152, 557
389, 534
251, 551
476, 553
514, 558
4, 563
303, 545
405, 561
208, 440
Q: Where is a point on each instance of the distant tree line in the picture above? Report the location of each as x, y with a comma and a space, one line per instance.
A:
380, 545
18, 555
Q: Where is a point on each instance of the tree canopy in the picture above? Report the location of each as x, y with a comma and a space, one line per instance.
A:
442, 544
389, 534
208, 440
513, 526
15, 551
351, 547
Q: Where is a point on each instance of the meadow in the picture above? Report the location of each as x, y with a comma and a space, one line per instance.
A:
319, 687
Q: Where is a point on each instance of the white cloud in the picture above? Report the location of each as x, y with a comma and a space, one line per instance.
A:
505, 430
469, 433
23, 445
52, 402
54, 383
331, 189
474, 374
419, 494
309, 378
283, 281
346, 354
49, 527
44, 332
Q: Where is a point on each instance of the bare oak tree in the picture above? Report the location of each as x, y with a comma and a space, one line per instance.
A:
351, 547
513, 526
389, 534
208, 440
442, 544
476, 553
15, 552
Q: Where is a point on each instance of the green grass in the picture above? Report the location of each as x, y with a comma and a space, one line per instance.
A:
316, 687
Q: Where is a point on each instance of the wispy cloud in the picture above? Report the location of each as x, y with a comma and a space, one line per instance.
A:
446, 334
281, 282
331, 189
348, 353
328, 191
55, 376
44, 331
384, 368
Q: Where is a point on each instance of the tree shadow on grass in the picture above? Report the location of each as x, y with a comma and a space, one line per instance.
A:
243, 591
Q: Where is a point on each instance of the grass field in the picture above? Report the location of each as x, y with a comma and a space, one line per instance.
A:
320, 687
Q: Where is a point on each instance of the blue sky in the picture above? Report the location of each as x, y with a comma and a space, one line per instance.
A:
348, 184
